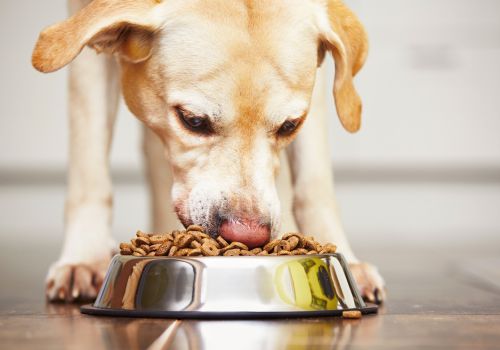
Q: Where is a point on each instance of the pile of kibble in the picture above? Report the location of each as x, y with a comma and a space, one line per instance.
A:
195, 242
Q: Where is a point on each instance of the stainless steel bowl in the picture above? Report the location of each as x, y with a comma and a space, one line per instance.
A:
228, 287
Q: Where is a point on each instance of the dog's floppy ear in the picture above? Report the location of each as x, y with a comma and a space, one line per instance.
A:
123, 26
343, 34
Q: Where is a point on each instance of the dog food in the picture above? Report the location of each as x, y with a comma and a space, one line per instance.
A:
195, 242
355, 314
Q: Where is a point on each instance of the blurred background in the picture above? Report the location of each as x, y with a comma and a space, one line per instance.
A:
423, 171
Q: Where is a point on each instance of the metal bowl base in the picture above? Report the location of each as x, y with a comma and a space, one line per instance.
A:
226, 315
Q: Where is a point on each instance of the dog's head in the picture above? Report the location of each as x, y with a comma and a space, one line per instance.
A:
225, 84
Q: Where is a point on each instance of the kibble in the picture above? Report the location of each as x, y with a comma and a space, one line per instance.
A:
194, 241
355, 314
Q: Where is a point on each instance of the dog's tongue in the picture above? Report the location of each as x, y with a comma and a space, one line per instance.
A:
248, 232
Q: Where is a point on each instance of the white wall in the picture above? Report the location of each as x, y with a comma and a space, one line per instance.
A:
431, 92
33, 123
430, 86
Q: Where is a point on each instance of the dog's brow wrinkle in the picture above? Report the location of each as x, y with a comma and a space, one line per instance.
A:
282, 74
212, 73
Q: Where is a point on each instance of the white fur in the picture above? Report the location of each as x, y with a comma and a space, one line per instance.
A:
87, 243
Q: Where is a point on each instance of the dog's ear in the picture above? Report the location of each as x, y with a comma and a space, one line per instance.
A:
122, 26
343, 34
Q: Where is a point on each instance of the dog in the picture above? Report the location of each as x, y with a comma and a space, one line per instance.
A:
223, 88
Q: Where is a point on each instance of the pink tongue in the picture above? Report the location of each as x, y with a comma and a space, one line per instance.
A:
250, 233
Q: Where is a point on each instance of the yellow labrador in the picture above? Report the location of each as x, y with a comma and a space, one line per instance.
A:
225, 86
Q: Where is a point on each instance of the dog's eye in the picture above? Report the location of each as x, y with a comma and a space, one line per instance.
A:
199, 124
288, 127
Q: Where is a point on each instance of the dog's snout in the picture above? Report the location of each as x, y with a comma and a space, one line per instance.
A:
248, 231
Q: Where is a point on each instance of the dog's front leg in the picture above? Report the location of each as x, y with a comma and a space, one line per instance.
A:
159, 175
93, 95
315, 208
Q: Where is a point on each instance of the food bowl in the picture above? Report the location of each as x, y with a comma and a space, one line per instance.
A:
228, 287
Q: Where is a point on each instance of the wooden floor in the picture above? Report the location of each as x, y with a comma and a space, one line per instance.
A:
442, 297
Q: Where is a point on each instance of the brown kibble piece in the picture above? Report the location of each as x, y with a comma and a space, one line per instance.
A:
139, 233
293, 241
151, 253
199, 236
241, 246
172, 251
330, 248
209, 249
145, 247
158, 239
164, 248
264, 252
300, 243
154, 247
324, 251
299, 251
256, 250
311, 244
290, 234
311, 252
126, 251
136, 254
234, 245
212, 241
194, 252
287, 236
125, 246
183, 240
142, 241
222, 242
355, 314
140, 251
195, 244
182, 252
232, 252
246, 253
283, 245
270, 246
284, 252
195, 228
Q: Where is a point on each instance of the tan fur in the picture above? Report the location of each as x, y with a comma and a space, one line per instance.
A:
350, 55
61, 43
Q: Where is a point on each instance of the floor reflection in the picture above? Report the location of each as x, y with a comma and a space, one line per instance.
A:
119, 333
331, 333
106, 332
62, 309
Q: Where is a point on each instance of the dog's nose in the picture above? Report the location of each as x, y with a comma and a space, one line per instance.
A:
250, 232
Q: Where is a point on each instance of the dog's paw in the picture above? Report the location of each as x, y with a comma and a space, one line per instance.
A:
70, 282
369, 281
